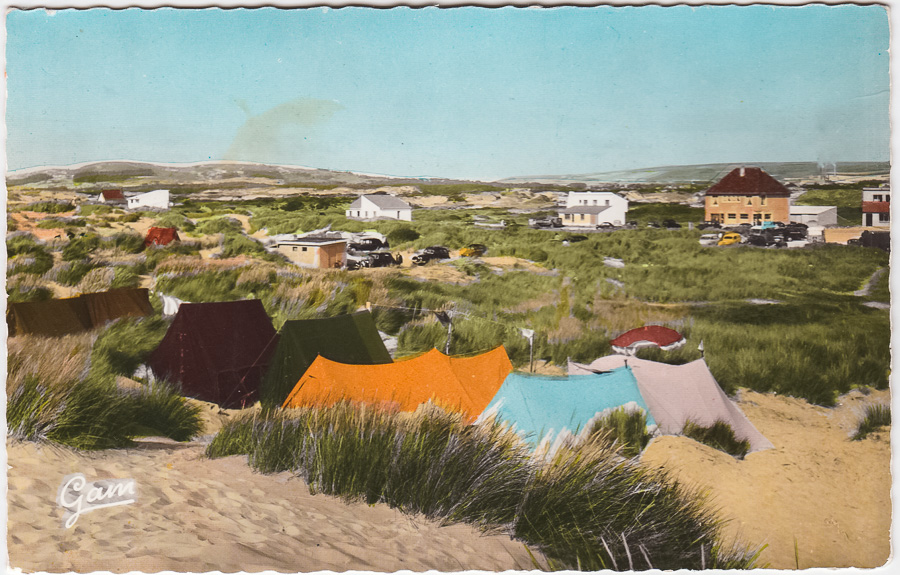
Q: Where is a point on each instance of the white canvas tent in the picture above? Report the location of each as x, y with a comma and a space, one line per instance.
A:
676, 393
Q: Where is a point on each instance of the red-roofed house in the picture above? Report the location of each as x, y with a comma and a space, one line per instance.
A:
111, 197
160, 237
876, 206
748, 196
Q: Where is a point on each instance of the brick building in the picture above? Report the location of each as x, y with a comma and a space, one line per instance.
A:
748, 196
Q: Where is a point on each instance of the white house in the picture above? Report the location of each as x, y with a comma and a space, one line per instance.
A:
876, 206
155, 199
814, 215
588, 209
379, 206
111, 197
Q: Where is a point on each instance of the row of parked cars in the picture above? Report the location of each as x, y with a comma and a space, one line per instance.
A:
366, 255
767, 235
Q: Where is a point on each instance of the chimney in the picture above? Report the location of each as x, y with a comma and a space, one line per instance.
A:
742, 171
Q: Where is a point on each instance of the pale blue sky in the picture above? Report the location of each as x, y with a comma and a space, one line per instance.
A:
468, 93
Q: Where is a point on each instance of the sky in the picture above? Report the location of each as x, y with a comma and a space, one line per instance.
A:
470, 93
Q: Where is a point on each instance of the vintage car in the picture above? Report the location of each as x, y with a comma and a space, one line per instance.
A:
428, 254
473, 250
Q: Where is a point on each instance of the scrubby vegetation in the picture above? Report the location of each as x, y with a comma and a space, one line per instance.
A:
585, 508
719, 436
627, 428
874, 417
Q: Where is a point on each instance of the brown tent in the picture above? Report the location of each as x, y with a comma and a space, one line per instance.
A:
57, 317
160, 236
217, 351
109, 305
54, 317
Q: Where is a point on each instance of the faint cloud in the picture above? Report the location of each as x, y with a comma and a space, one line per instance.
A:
281, 134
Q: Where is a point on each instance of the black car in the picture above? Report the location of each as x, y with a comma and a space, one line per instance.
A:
431, 253
368, 245
671, 224
653, 224
574, 238
605, 226
707, 225
382, 259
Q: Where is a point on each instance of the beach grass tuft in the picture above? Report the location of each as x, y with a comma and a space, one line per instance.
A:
876, 415
719, 435
628, 428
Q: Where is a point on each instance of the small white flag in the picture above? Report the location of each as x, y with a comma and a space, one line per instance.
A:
527, 333
700, 347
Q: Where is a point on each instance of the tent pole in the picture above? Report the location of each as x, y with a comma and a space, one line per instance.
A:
449, 332
531, 345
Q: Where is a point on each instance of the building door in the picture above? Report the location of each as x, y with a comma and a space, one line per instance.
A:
757, 219
868, 219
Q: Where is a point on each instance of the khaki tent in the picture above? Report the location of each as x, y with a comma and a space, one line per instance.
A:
465, 385
676, 393
349, 339
58, 317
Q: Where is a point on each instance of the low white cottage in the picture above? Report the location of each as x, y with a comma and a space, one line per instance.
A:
588, 209
379, 207
155, 199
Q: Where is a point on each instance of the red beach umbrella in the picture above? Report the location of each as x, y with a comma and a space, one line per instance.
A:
648, 336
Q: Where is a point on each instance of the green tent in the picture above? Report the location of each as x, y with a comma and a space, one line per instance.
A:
349, 339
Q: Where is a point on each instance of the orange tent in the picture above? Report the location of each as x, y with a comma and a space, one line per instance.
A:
465, 385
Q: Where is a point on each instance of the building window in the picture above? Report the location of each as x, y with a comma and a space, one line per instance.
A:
732, 216
884, 217
582, 217
876, 198
745, 217
767, 216
595, 202
607, 202
715, 201
750, 201
304, 248
887, 197
294, 248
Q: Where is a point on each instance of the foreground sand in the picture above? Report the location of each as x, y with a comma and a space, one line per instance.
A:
832, 494
194, 514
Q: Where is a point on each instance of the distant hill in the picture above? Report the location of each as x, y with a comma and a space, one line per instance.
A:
709, 173
222, 174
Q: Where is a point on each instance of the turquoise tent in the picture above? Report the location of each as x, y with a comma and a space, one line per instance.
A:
541, 407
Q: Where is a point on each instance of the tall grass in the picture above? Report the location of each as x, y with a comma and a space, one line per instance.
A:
875, 416
719, 436
586, 508
627, 428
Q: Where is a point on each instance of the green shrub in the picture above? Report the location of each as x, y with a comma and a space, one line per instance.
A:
95, 415
402, 235
39, 260
218, 225
875, 416
127, 243
73, 273
80, 248
627, 428
125, 277
50, 207
31, 409
718, 436
239, 244
161, 410
126, 344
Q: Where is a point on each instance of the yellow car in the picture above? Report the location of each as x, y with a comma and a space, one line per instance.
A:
729, 239
473, 251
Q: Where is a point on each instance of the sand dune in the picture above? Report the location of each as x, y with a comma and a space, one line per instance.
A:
195, 514
832, 494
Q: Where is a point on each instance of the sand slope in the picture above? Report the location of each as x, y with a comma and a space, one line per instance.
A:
831, 493
194, 514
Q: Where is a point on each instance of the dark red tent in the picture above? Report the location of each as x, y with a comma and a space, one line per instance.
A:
160, 236
218, 352
647, 336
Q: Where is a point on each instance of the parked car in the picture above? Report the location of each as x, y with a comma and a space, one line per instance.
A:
708, 224
671, 224
605, 226
367, 245
473, 250
383, 259
765, 240
572, 239
424, 256
653, 224
710, 239
545, 222
729, 239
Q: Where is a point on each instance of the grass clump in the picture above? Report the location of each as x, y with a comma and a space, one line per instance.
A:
718, 436
586, 508
875, 416
628, 428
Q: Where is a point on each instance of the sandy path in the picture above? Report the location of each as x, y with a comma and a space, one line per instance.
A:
194, 514
831, 493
